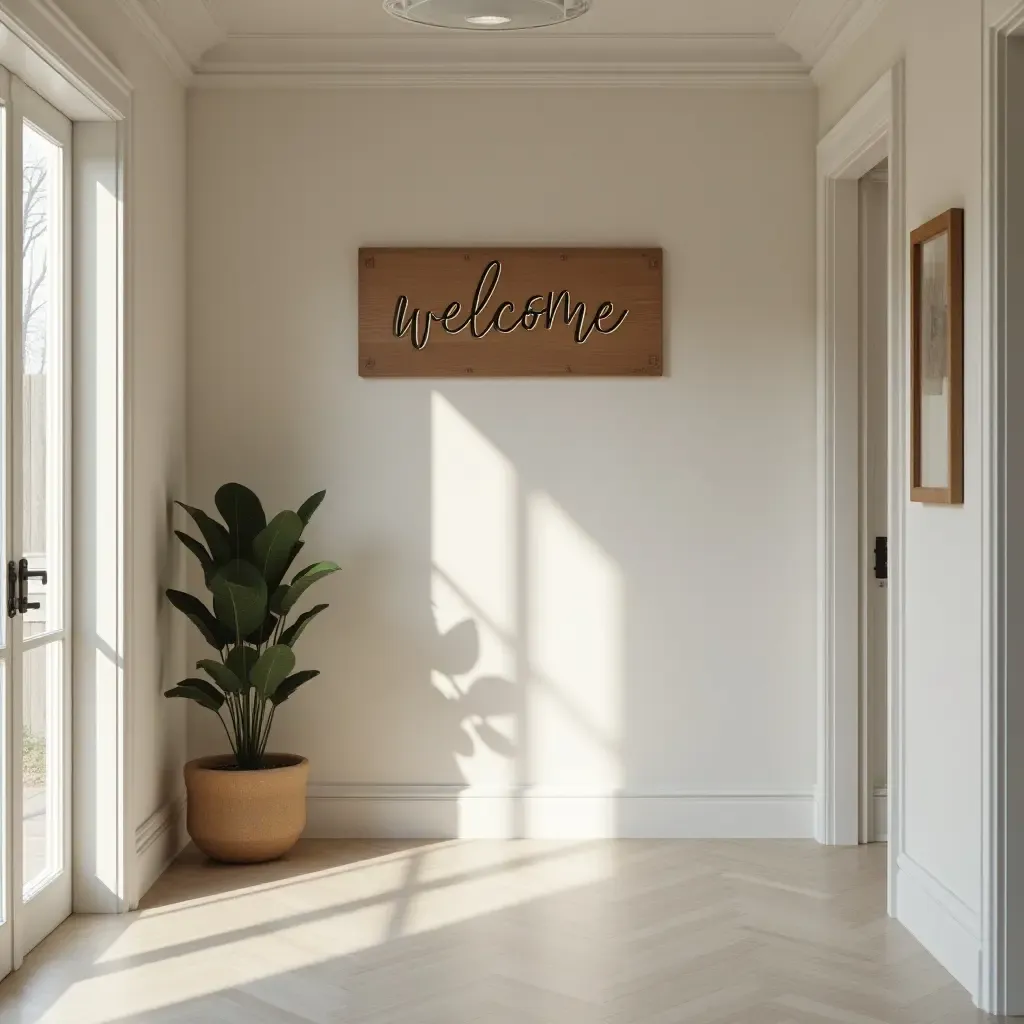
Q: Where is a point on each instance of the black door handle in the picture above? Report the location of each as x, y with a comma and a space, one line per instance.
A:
18, 576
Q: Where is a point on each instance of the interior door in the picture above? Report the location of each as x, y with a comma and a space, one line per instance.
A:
34, 656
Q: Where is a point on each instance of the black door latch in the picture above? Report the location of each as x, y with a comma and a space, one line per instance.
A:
881, 558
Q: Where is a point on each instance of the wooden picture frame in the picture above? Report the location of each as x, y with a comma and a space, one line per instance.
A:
937, 360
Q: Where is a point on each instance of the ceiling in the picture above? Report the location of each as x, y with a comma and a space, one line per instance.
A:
240, 42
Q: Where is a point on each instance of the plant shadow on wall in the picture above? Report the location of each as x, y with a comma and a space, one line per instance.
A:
468, 710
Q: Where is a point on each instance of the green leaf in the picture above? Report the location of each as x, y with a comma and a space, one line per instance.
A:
242, 511
239, 598
221, 675
272, 548
304, 580
277, 597
294, 631
213, 632
299, 545
309, 506
291, 684
241, 660
199, 690
218, 540
272, 669
258, 637
198, 550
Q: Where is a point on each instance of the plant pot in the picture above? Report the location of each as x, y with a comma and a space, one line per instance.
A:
245, 817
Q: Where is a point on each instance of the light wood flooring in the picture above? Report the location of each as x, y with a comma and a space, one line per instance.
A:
500, 933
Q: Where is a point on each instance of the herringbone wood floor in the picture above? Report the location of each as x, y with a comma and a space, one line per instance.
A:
500, 933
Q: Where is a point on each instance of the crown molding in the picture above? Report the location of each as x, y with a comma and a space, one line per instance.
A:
191, 24
158, 39
535, 75
815, 24
38, 34
180, 31
269, 52
862, 19
201, 54
581, 59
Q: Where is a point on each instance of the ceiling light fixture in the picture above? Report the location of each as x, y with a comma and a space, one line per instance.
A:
487, 15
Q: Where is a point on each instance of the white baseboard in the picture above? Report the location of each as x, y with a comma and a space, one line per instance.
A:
948, 928
158, 840
880, 815
338, 810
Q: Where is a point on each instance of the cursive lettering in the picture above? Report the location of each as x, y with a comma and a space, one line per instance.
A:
549, 309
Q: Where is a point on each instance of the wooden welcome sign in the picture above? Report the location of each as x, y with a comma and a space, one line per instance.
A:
510, 312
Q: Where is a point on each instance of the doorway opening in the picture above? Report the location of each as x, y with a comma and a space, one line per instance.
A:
861, 473
873, 272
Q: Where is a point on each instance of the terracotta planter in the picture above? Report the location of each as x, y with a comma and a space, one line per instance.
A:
245, 817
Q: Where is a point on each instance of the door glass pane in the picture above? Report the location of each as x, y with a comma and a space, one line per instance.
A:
5, 769
42, 384
3, 382
40, 763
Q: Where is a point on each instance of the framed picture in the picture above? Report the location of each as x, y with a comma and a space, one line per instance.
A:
937, 360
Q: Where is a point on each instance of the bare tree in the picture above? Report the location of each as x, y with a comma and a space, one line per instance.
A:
35, 221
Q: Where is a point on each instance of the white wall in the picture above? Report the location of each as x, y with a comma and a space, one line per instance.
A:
633, 558
156, 381
939, 889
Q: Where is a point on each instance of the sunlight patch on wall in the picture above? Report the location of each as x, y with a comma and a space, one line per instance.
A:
473, 592
574, 630
99, 560
473, 514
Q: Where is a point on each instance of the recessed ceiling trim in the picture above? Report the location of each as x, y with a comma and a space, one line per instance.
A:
538, 36
528, 76
266, 54
196, 47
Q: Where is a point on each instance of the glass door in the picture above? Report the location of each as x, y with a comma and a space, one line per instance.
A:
34, 657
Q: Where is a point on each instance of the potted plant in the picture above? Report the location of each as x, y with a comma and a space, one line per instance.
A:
248, 806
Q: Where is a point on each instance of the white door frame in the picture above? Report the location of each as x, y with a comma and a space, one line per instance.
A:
871, 131
1001, 974
45, 48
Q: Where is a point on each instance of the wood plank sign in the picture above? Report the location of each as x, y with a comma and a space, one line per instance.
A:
510, 312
